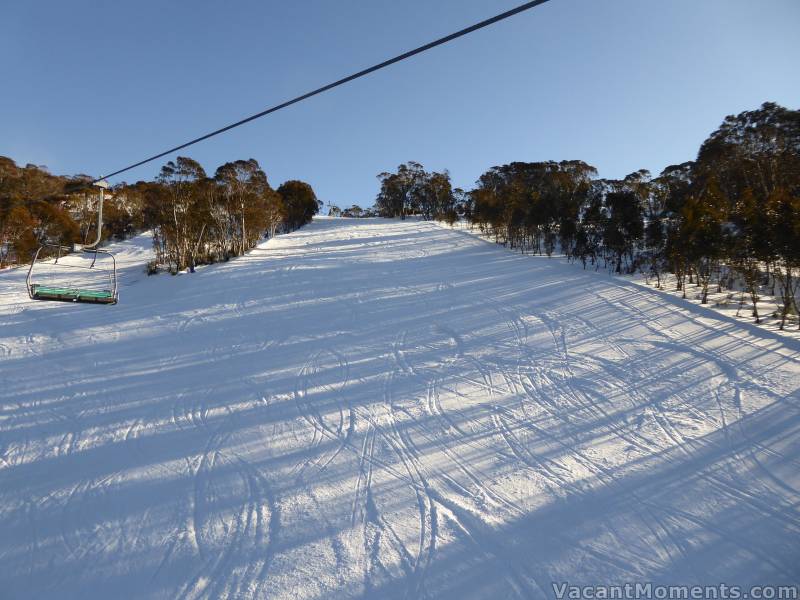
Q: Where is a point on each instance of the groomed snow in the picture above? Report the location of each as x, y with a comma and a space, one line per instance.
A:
386, 409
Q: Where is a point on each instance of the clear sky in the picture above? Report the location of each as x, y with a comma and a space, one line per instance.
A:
91, 86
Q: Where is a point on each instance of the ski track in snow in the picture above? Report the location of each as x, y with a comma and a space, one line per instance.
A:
386, 409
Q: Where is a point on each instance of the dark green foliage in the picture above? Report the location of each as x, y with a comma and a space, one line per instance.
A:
414, 191
732, 213
37, 208
195, 219
300, 203
531, 206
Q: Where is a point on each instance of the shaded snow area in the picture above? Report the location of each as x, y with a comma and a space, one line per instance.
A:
734, 302
386, 409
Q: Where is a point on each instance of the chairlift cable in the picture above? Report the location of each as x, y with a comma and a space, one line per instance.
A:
382, 65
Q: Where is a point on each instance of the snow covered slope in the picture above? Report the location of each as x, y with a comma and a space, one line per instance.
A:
382, 409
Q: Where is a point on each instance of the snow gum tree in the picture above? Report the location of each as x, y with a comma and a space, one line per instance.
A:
730, 216
704, 215
300, 202
411, 190
178, 216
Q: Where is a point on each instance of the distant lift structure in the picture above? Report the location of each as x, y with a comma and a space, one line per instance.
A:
76, 275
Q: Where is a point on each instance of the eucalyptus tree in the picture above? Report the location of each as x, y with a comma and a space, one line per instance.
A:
244, 186
300, 203
624, 227
399, 192
435, 197
533, 205
757, 154
749, 245
705, 215
675, 182
177, 217
783, 219
16, 233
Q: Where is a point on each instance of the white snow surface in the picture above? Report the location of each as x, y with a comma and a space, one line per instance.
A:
387, 409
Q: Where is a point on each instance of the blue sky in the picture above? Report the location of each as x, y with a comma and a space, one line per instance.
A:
91, 86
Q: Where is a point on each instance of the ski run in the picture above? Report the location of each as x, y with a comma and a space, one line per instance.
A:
386, 409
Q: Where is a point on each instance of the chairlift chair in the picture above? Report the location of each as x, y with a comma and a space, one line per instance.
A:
102, 284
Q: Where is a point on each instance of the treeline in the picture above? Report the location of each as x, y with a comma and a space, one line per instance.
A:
729, 218
413, 191
37, 207
354, 212
195, 218
199, 219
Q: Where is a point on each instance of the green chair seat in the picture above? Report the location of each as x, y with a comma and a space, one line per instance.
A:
44, 292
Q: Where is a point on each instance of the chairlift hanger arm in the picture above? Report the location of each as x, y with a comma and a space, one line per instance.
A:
103, 185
